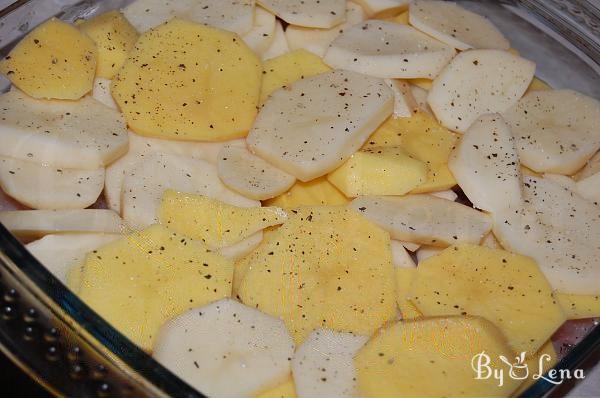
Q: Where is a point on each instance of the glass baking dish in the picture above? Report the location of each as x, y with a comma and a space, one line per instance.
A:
64, 345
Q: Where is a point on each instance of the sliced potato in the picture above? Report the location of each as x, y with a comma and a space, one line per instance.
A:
311, 127
250, 175
262, 34
278, 46
242, 248
309, 13
400, 257
424, 219
477, 82
404, 278
420, 96
425, 252
592, 167
556, 130
388, 50
578, 306
80, 134
317, 192
404, 102
383, 8
455, 25
589, 188
40, 186
101, 92
486, 165
143, 279
55, 60
491, 242
563, 181
546, 357
175, 86
447, 194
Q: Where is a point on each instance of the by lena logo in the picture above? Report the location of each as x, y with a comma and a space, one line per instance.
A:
519, 369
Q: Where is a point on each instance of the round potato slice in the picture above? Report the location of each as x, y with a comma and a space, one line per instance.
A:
310, 13
454, 25
388, 50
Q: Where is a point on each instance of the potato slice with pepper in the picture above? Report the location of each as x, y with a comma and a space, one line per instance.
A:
579, 306
317, 192
309, 13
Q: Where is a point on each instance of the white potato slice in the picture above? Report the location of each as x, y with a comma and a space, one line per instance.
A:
41, 186
323, 366
313, 126
243, 247
477, 82
101, 92
60, 253
556, 130
486, 165
317, 40
81, 134
262, 34
447, 194
383, 8
592, 167
420, 96
33, 224
250, 175
309, 13
400, 257
279, 45
589, 188
424, 219
563, 181
456, 26
226, 349
427, 251
404, 102
388, 50
410, 246
145, 183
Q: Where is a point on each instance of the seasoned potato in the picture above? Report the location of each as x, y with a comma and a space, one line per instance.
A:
317, 192
404, 278
55, 60
175, 86
579, 306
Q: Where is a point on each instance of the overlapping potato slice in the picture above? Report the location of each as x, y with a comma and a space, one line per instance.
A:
495, 284
308, 13
448, 194
404, 102
379, 171
400, 257
41, 186
55, 60
589, 188
114, 37
278, 46
424, 219
80, 134
284, 390
579, 306
175, 86
382, 8
486, 165
591, 167
213, 222
404, 278
556, 130
101, 92
242, 248
323, 365
317, 192
250, 175
477, 82
262, 34
538, 364
314, 264
455, 25
143, 279
432, 357
426, 252
388, 50
207, 346
311, 127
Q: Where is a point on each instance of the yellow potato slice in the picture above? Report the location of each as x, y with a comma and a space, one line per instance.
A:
505, 288
114, 36
379, 171
288, 68
284, 390
213, 222
54, 61
175, 86
314, 265
404, 278
317, 192
579, 306
422, 137
539, 363
139, 282
432, 358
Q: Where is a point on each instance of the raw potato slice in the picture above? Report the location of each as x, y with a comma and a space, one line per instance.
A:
313, 265
215, 223
317, 192
432, 357
556, 130
317, 40
144, 279
563, 181
55, 60
452, 24
404, 103
209, 345
447, 194
578, 306
242, 248
260, 37
589, 188
388, 50
250, 175
309, 13
592, 167
425, 252
80, 134
382, 8
477, 82
60, 253
33, 224
404, 278
101, 92
323, 365
379, 171
40, 186
424, 219
146, 182
284, 390
284, 70
177, 87
400, 257
495, 284
313, 126
420, 96
114, 37
486, 165
279, 45
147, 14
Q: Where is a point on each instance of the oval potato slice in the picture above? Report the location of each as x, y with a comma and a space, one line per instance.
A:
309, 13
